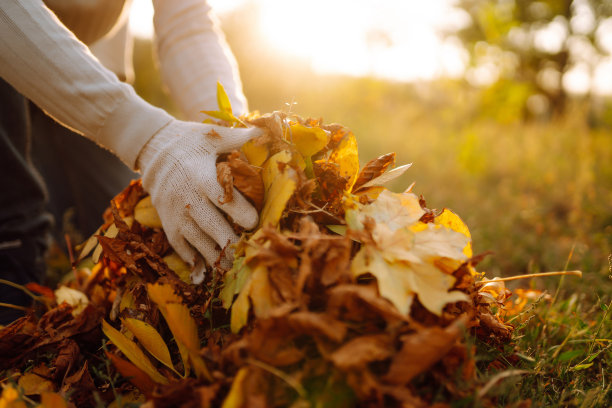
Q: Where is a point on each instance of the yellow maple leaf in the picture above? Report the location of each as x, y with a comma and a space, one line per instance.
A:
399, 282
394, 210
454, 222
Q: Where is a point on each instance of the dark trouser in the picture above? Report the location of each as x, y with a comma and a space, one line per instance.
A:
45, 170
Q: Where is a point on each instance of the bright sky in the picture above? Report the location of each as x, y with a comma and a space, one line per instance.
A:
392, 39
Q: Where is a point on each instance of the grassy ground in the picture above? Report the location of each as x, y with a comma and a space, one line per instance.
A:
538, 194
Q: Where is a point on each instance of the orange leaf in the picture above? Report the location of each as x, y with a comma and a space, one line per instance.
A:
135, 375
41, 290
52, 400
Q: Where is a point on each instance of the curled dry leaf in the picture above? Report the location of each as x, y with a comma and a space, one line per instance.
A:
373, 169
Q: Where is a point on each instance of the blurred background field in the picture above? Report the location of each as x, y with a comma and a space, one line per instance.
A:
515, 140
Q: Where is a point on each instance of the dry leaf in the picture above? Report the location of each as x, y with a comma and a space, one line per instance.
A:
36, 381
75, 298
150, 339
345, 156
255, 153
307, 140
281, 190
390, 210
247, 179
421, 350
373, 169
225, 179
178, 266
454, 222
386, 177
52, 400
360, 351
400, 282
132, 352
135, 375
146, 214
235, 397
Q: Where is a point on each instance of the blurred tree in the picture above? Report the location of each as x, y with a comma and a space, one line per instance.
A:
552, 47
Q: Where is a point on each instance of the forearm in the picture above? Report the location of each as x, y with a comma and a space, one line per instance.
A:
194, 55
50, 66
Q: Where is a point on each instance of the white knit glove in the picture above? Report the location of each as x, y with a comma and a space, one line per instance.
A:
178, 168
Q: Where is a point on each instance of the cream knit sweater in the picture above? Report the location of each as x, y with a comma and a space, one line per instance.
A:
47, 63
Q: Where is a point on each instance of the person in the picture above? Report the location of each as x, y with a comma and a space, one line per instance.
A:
47, 64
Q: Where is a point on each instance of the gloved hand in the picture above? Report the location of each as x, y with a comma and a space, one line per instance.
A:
179, 171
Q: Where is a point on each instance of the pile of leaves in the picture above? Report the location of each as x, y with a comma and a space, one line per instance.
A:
346, 294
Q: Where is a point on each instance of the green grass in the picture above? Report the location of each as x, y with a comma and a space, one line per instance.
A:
565, 349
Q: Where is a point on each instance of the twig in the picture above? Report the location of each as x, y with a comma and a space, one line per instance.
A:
534, 275
22, 288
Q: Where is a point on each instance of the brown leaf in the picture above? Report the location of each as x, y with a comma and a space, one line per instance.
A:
360, 351
331, 188
373, 169
207, 395
225, 179
317, 324
129, 197
247, 179
80, 387
15, 339
362, 303
271, 341
37, 381
67, 357
421, 350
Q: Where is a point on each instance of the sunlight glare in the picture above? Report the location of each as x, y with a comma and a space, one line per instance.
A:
392, 39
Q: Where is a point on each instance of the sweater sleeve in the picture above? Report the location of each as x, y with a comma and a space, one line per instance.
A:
45, 62
194, 55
